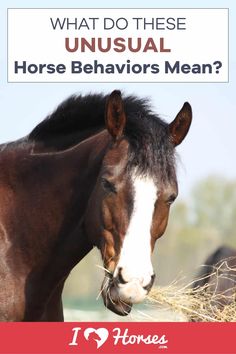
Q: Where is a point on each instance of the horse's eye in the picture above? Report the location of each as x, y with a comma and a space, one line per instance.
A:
171, 199
108, 186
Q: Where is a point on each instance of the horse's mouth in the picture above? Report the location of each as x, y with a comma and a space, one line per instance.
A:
120, 308
111, 299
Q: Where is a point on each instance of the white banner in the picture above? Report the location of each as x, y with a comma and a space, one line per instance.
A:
117, 45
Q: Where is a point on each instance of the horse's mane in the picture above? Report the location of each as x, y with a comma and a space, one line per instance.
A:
79, 117
79, 114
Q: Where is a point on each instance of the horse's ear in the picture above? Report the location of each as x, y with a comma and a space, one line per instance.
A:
180, 126
115, 117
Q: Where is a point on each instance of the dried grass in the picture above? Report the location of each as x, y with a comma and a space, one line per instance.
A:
208, 303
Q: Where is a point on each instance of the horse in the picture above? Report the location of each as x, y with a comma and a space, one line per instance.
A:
97, 172
218, 276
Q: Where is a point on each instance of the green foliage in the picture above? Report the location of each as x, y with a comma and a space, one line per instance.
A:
214, 204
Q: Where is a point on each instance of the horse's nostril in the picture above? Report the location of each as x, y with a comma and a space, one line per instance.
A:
120, 278
150, 284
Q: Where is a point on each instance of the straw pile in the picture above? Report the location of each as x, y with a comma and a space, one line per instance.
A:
215, 301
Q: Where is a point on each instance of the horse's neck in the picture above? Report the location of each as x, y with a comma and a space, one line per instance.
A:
77, 170
50, 196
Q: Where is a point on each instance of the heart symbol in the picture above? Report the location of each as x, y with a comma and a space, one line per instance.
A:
102, 333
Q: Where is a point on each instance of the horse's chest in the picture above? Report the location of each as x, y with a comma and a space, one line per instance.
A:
12, 298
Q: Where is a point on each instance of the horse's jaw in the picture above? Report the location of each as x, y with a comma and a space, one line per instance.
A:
111, 299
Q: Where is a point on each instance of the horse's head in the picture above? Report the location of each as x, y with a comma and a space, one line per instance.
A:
132, 197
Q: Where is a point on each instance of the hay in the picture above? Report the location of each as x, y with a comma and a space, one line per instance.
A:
207, 303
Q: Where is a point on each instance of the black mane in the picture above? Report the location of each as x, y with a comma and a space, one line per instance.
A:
81, 116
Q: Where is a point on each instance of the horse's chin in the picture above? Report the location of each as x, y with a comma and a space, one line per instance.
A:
119, 308
112, 302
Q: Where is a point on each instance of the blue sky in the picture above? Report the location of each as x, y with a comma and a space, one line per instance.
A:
210, 146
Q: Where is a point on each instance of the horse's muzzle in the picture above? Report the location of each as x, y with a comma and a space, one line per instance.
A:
120, 296
111, 298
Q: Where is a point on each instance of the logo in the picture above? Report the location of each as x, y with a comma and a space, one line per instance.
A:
117, 336
101, 333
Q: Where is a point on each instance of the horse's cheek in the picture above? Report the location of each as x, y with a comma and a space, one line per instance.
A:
159, 225
107, 219
108, 250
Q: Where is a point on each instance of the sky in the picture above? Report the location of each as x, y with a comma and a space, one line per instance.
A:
209, 148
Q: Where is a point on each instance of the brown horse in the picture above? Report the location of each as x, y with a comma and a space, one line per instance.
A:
74, 183
218, 276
